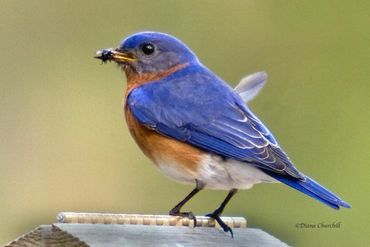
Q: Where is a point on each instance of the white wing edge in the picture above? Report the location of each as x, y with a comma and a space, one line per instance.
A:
251, 85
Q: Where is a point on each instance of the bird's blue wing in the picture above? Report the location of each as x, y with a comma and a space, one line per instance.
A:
194, 106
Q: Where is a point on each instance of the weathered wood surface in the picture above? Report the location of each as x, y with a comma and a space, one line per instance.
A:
47, 236
140, 230
141, 235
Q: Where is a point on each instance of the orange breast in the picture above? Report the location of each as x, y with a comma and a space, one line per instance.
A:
164, 150
160, 149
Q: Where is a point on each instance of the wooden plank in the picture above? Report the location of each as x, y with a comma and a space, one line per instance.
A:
116, 230
47, 236
100, 235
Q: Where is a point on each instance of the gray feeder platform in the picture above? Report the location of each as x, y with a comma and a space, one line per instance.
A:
113, 230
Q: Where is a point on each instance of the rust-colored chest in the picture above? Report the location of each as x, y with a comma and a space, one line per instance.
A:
159, 148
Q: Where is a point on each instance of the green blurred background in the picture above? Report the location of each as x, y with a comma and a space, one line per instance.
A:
64, 145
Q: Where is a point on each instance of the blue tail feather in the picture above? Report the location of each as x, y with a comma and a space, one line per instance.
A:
311, 188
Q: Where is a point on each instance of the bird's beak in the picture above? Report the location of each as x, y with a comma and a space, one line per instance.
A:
116, 55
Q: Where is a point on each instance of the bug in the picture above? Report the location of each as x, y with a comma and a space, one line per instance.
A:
104, 55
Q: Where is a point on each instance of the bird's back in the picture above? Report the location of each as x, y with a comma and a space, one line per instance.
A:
195, 107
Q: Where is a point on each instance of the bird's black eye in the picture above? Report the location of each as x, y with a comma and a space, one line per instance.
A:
148, 49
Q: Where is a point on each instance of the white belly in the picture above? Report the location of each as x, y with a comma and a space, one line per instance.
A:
218, 173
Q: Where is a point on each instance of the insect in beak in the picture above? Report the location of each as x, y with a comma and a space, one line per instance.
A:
116, 55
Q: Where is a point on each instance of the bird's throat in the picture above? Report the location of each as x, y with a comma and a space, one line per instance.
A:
136, 79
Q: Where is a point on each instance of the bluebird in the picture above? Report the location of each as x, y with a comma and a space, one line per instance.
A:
198, 130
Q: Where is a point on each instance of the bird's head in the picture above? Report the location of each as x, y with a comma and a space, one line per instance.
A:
149, 53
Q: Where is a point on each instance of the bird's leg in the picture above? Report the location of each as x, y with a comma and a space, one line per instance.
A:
176, 210
217, 213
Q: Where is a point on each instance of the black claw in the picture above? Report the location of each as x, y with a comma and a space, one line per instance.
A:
209, 215
176, 210
188, 215
195, 221
216, 216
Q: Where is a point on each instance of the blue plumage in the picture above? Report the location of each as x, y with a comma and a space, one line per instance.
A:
195, 106
311, 188
214, 139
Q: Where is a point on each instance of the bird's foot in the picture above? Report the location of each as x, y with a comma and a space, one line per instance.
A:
188, 215
216, 216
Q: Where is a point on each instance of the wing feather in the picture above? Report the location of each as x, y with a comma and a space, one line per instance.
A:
218, 121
